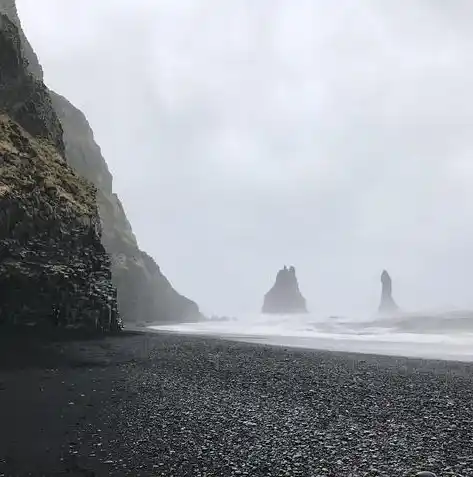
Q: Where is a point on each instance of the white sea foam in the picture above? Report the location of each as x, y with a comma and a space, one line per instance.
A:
442, 335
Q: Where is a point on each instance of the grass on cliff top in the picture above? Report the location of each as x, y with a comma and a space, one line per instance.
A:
30, 164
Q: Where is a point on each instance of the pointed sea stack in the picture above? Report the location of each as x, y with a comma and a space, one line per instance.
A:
387, 305
285, 296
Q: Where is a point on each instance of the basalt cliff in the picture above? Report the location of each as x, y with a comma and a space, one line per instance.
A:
65, 241
285, 297
53, 266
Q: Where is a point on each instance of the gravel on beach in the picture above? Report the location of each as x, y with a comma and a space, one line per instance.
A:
152, 404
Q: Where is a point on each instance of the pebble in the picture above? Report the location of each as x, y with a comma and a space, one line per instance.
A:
254, 415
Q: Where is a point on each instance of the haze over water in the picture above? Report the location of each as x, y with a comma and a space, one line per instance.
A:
438, 335
332, 135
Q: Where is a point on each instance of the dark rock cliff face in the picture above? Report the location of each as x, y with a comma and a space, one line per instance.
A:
23, 97
8, 8
53, 266
144, 293
82, 151
285, 296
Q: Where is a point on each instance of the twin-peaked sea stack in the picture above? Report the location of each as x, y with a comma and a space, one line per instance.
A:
387, 304
285, 297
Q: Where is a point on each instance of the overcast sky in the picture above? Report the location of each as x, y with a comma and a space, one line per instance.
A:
248, 134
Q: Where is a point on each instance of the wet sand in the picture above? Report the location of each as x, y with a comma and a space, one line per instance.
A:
155, 404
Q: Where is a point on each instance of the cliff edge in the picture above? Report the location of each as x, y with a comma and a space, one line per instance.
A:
53, 267
387, 303
144, 293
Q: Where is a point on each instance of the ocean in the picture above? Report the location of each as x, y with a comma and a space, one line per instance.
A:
439, 335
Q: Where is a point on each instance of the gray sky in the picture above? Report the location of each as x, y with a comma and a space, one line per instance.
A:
248, 134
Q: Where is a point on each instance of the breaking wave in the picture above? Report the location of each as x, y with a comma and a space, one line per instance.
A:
443, 335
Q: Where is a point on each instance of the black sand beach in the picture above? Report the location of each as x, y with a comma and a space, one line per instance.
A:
148, 404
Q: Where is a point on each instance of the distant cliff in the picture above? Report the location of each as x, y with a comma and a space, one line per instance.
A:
144, 293
54, 269
285, 297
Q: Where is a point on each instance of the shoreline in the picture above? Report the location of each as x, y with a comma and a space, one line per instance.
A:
163, 404
424, 351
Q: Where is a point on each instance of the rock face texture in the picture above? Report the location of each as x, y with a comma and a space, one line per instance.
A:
23, 97
53, 266
8, 8
387, 304
144, 293
285, 296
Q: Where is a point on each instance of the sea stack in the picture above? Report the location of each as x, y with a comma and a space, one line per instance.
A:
387, 305
285, 297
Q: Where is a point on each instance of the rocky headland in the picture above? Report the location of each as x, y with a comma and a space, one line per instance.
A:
285, 296
44, 135
53, 266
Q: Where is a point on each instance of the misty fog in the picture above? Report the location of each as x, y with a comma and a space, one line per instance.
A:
248, 135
